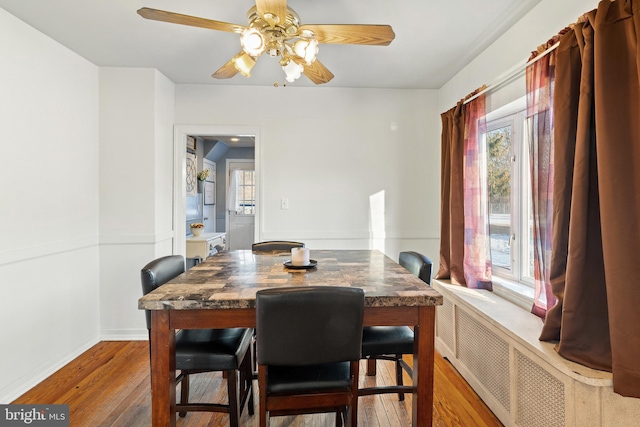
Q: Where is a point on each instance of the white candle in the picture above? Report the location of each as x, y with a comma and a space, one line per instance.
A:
300, 256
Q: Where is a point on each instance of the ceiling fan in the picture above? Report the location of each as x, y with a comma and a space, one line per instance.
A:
275, 29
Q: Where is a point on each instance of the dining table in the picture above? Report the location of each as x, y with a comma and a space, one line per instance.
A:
220, 292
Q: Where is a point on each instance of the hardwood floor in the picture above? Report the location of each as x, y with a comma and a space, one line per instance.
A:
109, 385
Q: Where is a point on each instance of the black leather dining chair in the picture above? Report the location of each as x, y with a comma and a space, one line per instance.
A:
275, 245
272, 246
205, 350
309, 343
391, 342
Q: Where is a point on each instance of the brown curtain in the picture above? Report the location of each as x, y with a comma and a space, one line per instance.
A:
464, 242
596, 234
452, 196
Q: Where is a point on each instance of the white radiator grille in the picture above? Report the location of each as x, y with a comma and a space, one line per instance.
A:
486, 355
445, 323
541, 400
519, 381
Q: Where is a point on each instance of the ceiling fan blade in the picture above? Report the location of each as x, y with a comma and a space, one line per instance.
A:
227, 71
194, 21
317, 73
274, 7
378, 35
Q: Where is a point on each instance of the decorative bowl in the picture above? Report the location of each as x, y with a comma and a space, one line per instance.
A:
197, 228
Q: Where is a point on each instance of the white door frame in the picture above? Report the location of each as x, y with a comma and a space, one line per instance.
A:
180, 133
210, 208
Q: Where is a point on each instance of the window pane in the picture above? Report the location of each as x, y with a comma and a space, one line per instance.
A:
528, 250
246, 192
499, 187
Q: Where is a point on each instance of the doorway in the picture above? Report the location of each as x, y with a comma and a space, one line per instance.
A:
179, 189
241, 195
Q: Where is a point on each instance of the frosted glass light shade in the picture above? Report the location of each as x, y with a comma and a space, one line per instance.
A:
252, 42
244, 63
306, 49
292, 70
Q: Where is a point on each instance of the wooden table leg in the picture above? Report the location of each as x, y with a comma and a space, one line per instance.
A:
163, 370
423, 360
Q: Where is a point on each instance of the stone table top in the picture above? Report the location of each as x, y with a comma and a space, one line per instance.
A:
230, 280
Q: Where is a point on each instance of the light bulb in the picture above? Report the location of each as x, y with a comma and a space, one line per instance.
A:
252, 41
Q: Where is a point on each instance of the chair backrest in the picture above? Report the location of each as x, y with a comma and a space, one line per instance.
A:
276, 245
309, 325
158, 272
417, 264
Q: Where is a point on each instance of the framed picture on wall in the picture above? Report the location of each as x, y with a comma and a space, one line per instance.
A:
209, 193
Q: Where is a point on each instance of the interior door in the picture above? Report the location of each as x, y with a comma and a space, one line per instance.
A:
241, 203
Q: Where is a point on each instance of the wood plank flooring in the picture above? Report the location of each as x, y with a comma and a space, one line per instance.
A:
109, 385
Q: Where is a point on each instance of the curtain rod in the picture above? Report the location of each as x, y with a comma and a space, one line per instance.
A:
512, 72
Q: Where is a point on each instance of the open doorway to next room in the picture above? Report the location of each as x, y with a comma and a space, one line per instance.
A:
208, 157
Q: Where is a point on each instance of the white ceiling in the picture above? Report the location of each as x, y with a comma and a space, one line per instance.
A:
434, 39
232, 141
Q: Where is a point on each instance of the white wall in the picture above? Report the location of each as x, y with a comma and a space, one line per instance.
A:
136, 176
49, 308
331, 151
512, 48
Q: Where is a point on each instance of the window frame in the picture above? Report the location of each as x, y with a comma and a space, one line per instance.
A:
514, 282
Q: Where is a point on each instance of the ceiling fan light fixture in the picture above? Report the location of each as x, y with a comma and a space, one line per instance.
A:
306, 49
244, 63
292, 69
271, 19
275, 29
252, 41
274, 49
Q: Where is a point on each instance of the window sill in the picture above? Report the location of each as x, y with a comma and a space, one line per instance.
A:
514, 292
518, 326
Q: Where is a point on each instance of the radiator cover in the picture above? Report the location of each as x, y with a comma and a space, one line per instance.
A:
494, 345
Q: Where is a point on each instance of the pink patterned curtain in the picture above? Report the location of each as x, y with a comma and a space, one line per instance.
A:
540, 77
464, 242
477, 243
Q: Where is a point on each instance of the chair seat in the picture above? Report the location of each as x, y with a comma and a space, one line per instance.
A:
301, 379
211, 349
380, 340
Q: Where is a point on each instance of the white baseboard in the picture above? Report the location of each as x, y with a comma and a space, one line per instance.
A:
124, 335
12, 391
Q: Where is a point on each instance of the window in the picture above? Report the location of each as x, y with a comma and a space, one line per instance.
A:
246, 192
508, 185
